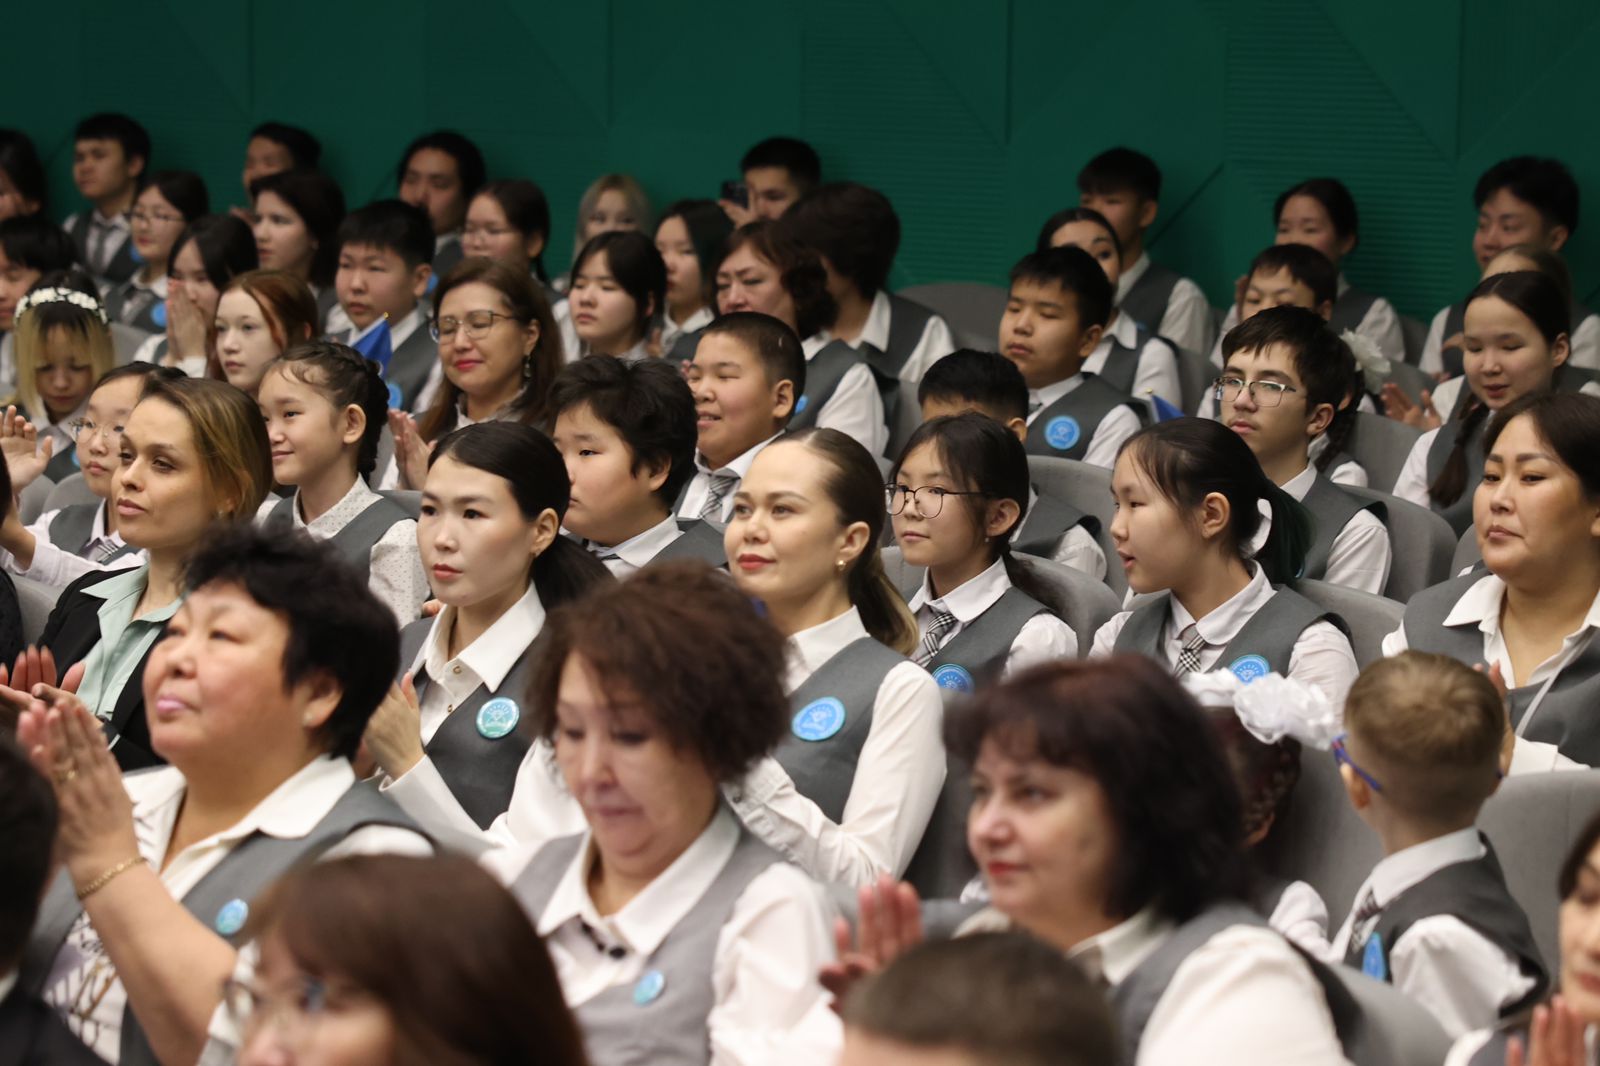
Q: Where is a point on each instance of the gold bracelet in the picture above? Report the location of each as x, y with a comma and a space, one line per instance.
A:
105, 879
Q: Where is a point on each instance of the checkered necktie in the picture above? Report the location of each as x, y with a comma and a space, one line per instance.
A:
1189, 657
943, 622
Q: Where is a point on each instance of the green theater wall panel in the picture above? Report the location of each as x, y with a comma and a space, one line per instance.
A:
973, 117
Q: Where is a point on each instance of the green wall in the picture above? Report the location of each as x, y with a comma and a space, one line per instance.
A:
973, 117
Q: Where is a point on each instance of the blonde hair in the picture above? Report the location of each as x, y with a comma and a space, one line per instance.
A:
631, 191
90, 335
229, 436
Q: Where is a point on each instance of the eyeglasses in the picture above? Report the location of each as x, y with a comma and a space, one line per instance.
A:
477, 324
470, 230
294, 1011
1262, 393
139, 216
82, 427
928, 500
1341, 755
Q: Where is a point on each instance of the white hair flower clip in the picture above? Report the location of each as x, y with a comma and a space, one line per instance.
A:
1271, 707
1373, 364
58, 295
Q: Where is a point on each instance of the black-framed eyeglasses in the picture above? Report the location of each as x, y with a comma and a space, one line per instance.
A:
1341, 755
1262, 393
476, 323
927, 501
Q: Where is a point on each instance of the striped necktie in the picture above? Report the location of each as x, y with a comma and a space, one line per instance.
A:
716, 492
943, 622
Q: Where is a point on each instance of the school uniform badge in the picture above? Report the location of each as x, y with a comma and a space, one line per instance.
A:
801, 404
1062, 433
819, 719
1373, 961
649, 988
953, 677
1249, 667
498, 717
232, 916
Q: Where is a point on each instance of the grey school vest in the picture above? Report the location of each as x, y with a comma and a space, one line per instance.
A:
411, 363
1263, 645
354, 542
1459, 512
479, 766
700, 540
1122, 364
122, 264
824, 372
1065, 428
976, 655
832, 718
1331, 509
1569, 714
684, 345
625, 1025
1350, 310
1146, 301
72, 527
136, 307
221, 900
1474, 892
1048, 520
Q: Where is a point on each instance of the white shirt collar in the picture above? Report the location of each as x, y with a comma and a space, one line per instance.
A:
645, 920
1482, 601
341, 514
1131, 276
1342, 287
1049, 394
443, 240
639, 549
492, 655
7, 983
119, 221
288, 812
971, 598
671, 330
1224, 623
810, 648
1301, 483
1124, 946
875, 331
399, 332
740, 466
1410, 866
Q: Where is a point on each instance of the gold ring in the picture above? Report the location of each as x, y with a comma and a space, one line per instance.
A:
66, 778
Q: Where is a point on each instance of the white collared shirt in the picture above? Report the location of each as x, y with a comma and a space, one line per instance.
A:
1462, 1051
769, 1007
482, 664
1585, 342
1456, 973
1321, 654
1076, 547
635, 553
1186, 321
897, 779
1380, 325
1043, 638
1302, 917
1157, 372
671, 331
1361, 553
694, 497
83, 985
935, 343
856, 406
60, 432
394, 567
1243, 998
1118, 425
55, 566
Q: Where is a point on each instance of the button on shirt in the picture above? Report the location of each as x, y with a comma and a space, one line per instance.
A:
637, 551
1157, 370
856, 407
897, 779
769, 1007
694, 498
1043, 638
1456, 973
1321, 654
1361, 553
1187, 318
1118, 425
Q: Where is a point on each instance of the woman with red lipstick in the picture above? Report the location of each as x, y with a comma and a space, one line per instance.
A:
489, 537
850, 790
1515, 343
63, 347
1534, 614
170, 201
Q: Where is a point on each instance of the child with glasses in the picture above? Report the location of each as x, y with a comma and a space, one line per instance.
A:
1421, 754
958, 493
1285, 376
172, 200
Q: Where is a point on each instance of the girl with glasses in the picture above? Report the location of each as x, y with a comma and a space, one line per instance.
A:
172, 200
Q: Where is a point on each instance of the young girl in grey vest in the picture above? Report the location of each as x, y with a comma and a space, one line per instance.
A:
958, 493
1200, 525
848, 792
325, 409
1532, 613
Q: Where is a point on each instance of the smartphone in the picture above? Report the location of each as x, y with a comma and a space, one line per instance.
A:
736, 192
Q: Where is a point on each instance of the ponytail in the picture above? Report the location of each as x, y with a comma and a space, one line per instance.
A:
1283, 555
1452, 480
565, 571
883, 610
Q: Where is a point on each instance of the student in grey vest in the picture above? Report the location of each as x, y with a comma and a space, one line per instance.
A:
1561, 1031
325, 409
747, 373
1534, 614
384, 273
210, 253
992, 385
985, 998
1124, 185
441, 172
1190, 529
856, 233
489, 535
690, 237
298, 213
498, 350
1516, 330
1055, 314
67, 542
849, 791
627, 433
618, 291
1285, 376
680, 936
110, 153
164, 207
359, 930
31, 246
956, 495
1521, 200
63, 346
1111, 763
1421, 754
258, 696
1129, 356
510, 221
765, 269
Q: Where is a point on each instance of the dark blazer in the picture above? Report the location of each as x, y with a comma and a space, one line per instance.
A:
71, 632
32, 1035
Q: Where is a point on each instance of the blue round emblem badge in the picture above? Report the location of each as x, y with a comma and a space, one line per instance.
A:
953, 677
649, 988
819, 719
1249, 667
498, 717
1062, 433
